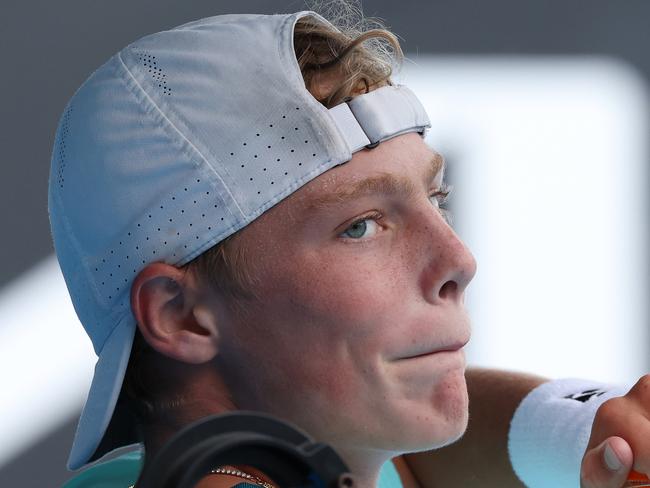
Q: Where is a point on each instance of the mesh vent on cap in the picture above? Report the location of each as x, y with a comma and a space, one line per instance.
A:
167, 231
61, 153
157, 75
270, 155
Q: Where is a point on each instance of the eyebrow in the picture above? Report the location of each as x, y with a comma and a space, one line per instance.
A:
386, 184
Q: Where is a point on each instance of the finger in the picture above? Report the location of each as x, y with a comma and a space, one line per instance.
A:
606, 465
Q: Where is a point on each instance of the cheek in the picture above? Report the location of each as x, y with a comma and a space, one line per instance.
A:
298, 384
323, 382
347, 286
327, 318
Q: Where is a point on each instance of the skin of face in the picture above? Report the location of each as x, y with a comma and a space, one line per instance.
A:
339, 306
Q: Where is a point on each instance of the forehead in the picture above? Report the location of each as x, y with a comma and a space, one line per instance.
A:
396, 166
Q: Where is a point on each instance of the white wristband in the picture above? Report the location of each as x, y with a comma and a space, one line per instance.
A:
550, 430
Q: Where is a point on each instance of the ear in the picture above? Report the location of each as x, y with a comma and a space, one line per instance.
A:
173, 316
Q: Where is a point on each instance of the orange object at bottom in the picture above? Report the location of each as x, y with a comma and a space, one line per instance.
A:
637, 479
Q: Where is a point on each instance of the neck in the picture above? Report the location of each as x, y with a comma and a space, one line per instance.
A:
364, 465
157, 434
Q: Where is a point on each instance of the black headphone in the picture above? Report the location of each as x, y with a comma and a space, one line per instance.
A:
280, 450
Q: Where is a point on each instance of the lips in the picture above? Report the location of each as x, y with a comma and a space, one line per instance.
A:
455, 346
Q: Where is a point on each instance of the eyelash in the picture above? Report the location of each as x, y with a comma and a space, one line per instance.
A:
441, 194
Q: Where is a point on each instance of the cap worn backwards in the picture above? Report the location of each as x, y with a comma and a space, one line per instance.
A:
178, 141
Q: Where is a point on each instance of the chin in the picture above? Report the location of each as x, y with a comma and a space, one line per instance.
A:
458, 430
440, 421
440, 435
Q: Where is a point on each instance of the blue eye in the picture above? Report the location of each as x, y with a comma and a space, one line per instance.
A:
358, 229
367, 226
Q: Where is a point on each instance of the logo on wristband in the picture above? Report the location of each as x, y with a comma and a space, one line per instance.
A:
585, 395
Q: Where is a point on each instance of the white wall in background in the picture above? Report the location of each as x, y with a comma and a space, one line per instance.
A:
549, 159
46, 360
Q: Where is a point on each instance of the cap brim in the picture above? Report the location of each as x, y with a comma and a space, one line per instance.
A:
104, 392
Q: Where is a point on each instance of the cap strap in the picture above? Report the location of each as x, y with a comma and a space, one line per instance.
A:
349, 127
368, 119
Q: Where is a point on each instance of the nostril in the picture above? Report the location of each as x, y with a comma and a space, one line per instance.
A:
448, 290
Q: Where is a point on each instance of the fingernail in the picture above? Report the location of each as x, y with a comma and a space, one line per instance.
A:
611, 459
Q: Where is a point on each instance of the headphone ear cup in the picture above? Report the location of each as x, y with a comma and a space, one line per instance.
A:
277, 448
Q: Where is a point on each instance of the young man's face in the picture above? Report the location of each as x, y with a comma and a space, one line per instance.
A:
342, 304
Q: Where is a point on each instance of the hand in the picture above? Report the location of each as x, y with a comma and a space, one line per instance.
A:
620, 440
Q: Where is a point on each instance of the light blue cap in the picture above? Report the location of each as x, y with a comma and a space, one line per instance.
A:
179, 140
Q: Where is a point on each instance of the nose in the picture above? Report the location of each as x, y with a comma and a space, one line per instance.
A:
450, 266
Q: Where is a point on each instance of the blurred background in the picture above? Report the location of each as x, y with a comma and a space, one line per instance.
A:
540, 109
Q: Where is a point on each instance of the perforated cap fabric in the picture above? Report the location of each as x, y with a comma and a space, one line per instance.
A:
179, 140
